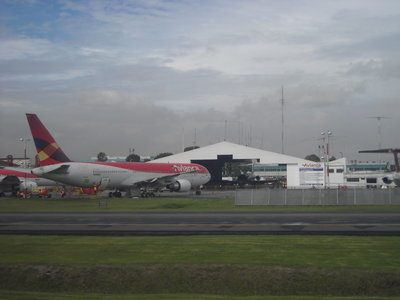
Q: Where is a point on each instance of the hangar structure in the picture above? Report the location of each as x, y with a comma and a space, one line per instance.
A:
299, 172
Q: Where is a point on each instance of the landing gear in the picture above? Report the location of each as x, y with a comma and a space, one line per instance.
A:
116, 194
145, 193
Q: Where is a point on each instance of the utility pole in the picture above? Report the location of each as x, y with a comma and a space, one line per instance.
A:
24, 140
326, 134
183, 139
226, 121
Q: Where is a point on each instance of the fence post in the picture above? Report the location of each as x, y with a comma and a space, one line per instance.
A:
285, 196
269, 196
236, 198
337, 196
319, 197
252, 194
355, 196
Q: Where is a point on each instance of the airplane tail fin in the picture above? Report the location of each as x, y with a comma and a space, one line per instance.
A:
49, 152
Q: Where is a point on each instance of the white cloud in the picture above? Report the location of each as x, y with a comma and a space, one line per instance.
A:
22, 48
6, 104
90, 51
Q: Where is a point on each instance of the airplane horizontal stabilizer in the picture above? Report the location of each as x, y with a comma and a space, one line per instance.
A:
63, 169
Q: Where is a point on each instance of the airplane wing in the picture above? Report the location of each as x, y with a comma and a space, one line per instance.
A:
150, 181
159, 181
171, 177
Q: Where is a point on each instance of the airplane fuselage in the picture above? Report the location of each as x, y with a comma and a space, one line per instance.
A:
120, 175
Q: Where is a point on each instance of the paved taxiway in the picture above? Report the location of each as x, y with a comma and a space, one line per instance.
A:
186, 223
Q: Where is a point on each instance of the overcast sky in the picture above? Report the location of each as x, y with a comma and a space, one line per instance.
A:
150, 75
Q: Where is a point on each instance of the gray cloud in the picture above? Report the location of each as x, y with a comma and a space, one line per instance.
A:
383, 69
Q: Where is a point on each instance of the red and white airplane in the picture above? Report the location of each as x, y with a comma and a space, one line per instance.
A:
126, 176
20, 179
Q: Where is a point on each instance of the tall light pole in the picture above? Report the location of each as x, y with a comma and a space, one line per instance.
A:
325, 136
25, 145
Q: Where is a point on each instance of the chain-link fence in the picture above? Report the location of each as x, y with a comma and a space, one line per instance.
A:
300, 197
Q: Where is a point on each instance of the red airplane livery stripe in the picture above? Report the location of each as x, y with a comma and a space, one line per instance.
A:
6, 172
168, 168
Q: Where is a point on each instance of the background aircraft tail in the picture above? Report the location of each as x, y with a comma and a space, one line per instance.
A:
49, 152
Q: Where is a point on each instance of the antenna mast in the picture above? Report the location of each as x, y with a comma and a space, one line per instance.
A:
283, 123
379, 119
183, 139
195, 137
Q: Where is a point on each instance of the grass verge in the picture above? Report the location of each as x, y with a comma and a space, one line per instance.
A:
329, 252
159, 204
237, 280
10, 295
219, 265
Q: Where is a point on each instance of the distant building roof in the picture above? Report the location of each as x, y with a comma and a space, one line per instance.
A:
212, 152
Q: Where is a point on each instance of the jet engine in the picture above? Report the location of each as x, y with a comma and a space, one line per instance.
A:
29, 185
395, 177
387, 179
181, 185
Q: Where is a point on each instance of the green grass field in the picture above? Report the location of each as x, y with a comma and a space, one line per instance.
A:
318, 252
69, 296
196, 265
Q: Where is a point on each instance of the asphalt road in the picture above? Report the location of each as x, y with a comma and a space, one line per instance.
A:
186, 223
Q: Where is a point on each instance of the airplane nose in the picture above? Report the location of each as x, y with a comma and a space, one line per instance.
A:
208, 177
